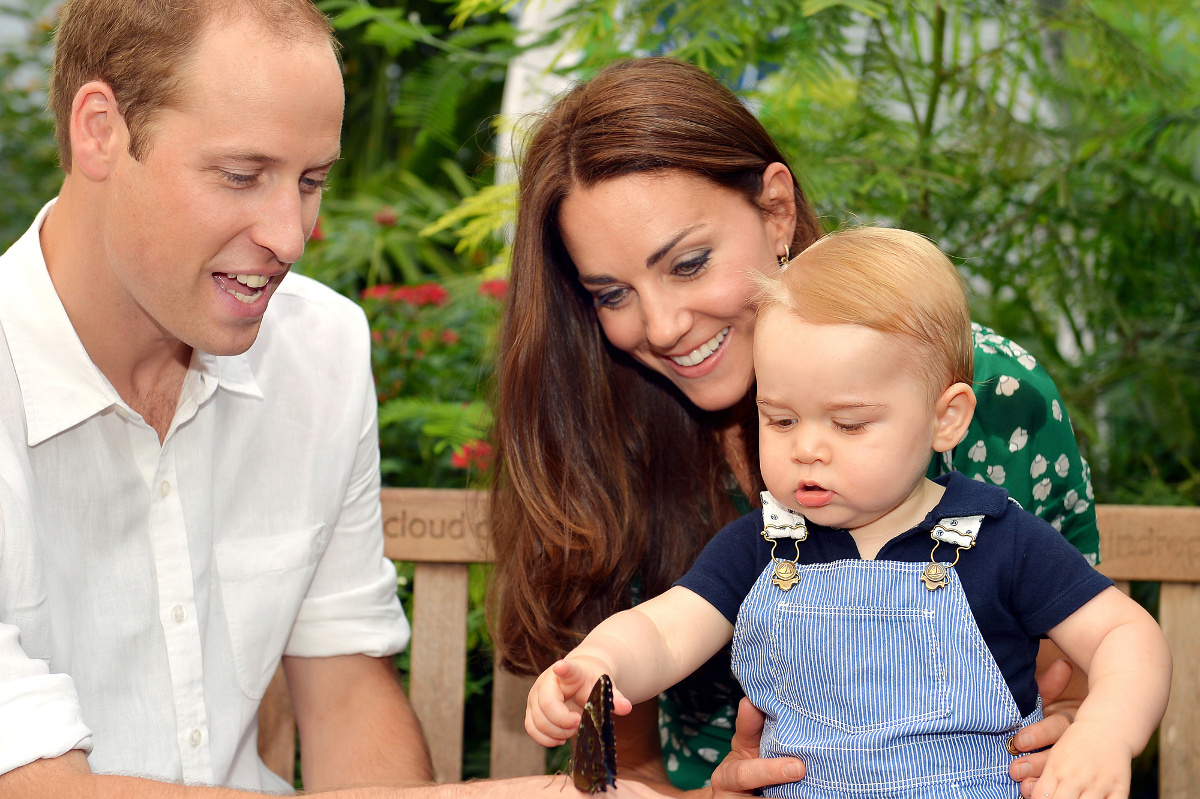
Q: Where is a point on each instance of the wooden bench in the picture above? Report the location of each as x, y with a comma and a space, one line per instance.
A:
444, 530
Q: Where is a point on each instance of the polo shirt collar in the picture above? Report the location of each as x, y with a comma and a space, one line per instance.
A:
60, 386
966, 497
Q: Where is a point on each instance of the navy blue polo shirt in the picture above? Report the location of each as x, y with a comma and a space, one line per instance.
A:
1021, 578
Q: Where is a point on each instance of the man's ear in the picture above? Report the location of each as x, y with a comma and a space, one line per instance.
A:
953, 411
98, 131
778, 197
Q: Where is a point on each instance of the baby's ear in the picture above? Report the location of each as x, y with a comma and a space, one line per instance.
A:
953, 411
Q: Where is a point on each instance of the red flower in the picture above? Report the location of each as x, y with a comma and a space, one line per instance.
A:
317, 234
450, 337
379, 292
493, 288
422, 294
473, 455
386, 217
377, 336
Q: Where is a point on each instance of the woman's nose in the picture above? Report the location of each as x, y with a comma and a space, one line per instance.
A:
666, 320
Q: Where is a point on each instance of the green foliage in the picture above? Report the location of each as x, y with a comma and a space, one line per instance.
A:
29, 169
1052, 148
430, 364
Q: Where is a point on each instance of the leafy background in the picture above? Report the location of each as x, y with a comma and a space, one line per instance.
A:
1052, 147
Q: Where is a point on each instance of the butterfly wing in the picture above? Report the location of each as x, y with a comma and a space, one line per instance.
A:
594, 755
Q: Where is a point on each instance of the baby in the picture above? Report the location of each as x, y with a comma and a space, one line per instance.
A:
886, 624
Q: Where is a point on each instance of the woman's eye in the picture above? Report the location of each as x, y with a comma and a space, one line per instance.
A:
609, 299
691, 266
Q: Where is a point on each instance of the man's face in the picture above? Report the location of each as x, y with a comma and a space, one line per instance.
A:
199, 233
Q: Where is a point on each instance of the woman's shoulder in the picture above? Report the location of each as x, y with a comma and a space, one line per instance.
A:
997, 357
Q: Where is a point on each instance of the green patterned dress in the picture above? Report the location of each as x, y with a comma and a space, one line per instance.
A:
1020, 439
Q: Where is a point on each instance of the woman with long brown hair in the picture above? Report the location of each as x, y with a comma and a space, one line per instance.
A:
624, 420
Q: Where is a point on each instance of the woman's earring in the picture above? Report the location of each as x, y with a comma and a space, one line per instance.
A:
786, 257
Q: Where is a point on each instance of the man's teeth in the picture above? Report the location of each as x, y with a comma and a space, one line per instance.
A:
255, 282
251, 281
703, 351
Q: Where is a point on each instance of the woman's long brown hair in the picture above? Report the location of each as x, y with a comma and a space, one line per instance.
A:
606, 475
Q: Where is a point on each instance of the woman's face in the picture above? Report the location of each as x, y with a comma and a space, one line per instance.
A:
668, 259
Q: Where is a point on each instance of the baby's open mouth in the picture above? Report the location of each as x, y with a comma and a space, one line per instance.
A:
813, 496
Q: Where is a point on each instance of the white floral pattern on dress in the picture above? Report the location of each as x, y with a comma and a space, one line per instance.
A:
1056, 409
1007, 385
1037, 466
1042, 489
996, 473
1017, 440
1062, 466
978, 452
1071, 499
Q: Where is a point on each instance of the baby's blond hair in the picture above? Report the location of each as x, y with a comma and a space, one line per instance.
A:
894, 281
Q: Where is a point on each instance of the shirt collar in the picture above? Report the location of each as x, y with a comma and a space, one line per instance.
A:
966, 497
60, 386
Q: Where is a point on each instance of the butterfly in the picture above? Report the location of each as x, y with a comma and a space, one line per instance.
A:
594, 755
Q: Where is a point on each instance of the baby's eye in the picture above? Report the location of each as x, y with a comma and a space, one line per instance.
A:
781, 424
609, 299
850, 427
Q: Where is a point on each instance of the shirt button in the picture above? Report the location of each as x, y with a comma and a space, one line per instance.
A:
194, 737
179, 613
164, 488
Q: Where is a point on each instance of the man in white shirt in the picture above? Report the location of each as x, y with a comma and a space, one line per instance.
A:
180, 509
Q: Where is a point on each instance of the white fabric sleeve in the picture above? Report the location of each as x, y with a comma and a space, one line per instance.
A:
40, 714
351, 606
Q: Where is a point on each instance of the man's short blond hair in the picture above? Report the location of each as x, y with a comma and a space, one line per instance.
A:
893, 281
140, 47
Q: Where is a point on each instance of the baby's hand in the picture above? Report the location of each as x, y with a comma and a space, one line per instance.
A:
1087, 761
558, 696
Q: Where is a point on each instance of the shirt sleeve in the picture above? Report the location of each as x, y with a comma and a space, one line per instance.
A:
1021, 438
1040, 603
351, 606
727, 567
40, 713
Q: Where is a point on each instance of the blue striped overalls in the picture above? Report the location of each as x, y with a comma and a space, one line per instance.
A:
883, 687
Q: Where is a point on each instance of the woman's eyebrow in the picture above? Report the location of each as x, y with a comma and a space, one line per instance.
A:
661, 253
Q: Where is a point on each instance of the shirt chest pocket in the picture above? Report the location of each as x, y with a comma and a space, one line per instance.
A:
263, 581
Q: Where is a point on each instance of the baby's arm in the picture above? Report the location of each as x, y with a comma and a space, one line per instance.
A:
1128, 665
645, 650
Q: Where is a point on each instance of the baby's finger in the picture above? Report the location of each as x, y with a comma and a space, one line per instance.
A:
572, 677
1046, 787
546, 731
621, 705
536, 734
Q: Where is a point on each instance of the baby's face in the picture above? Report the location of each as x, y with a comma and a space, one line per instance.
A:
846, 425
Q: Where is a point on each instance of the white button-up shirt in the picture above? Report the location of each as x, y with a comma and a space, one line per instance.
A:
148, 591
